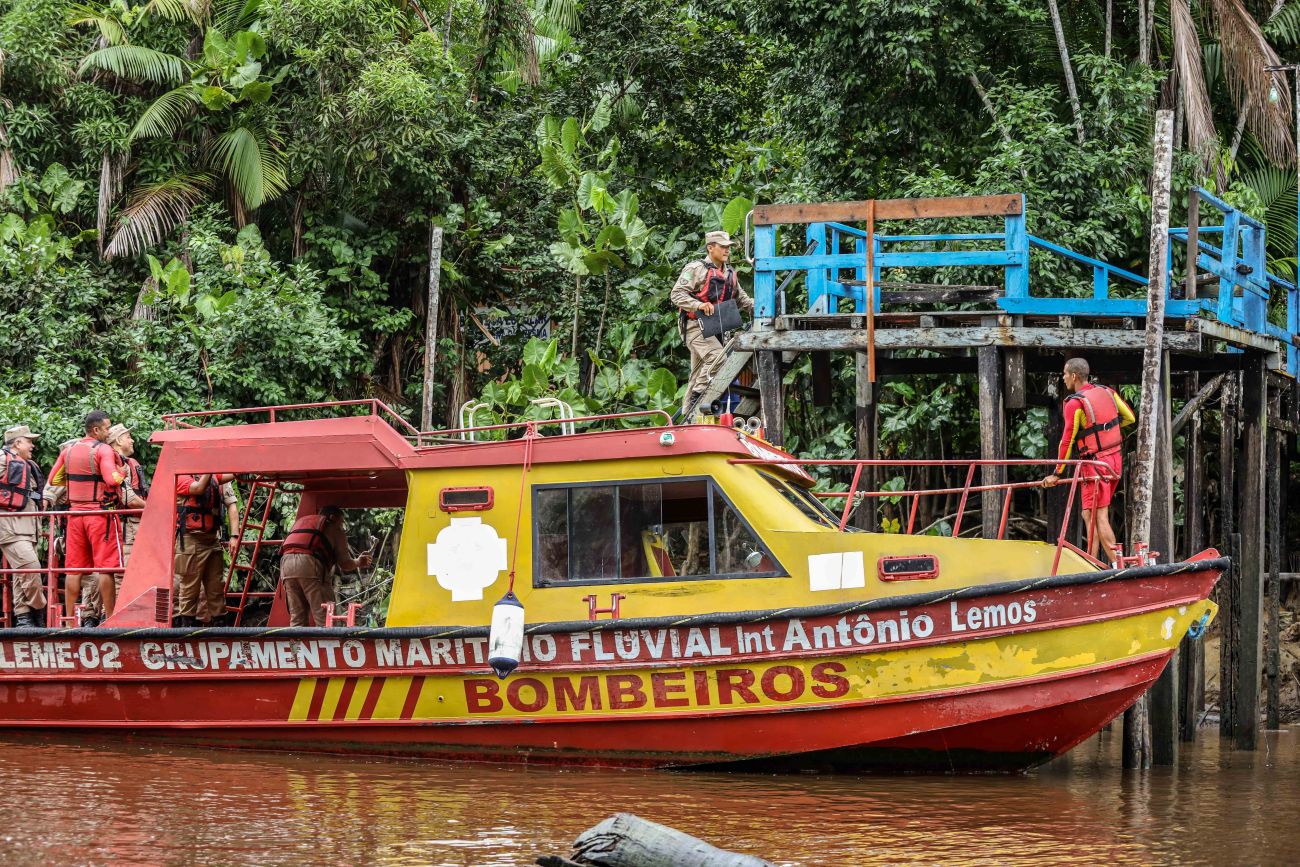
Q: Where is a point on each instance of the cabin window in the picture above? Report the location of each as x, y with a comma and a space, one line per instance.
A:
805, 501
626, 531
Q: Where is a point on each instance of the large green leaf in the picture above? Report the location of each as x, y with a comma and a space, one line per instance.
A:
572, 229
661, 382
534, 380
569, 136
611, 238
570, 257
733, 215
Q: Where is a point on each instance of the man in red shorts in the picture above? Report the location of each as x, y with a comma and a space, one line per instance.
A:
91, 473
1094, 415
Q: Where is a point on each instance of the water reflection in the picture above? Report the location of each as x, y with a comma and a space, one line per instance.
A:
93, 800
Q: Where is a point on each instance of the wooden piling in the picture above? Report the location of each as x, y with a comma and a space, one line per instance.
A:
1250, 609
771, 396
1164, 692
1191, 652
431, 327
993, 443
865, 423
1273, 659
1227, 589
1137, 735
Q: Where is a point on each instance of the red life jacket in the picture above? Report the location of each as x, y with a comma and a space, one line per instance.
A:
200, 513
1102, 436
719, 284
308, 537
85, 484
15, 483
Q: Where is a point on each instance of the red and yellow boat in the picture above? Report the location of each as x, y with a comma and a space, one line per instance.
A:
688, 602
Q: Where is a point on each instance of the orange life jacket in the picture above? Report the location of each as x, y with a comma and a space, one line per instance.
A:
1101, 436
719, 284
200, 513
308, 537
85, 484
15, 483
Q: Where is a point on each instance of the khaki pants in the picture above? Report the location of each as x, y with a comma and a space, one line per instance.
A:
18, 541
705, 353
199, 571
305, 589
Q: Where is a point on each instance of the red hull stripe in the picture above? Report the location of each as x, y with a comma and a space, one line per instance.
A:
317, 698
412, 696
345, 698
372, 698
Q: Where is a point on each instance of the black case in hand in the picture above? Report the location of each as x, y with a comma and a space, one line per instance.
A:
726, 317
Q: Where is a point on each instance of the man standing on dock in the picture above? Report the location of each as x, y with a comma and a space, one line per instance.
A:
703, 284
1094, 415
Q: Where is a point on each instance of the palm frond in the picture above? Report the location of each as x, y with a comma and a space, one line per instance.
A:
229, 16
138, 63
1276, 188
164, 116
1283, 28
1245, 54
562, 13
1197, 110
110, 29
154, 211
253, 166
175, 10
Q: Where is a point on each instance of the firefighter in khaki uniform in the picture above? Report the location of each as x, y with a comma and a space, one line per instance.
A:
314, 546
199, 567
135, 489
20, 491
701, 285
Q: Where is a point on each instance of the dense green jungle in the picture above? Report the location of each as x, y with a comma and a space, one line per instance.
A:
216, 203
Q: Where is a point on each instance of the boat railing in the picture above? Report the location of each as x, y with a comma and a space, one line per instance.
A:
1098, 470
274, 414
566, 423
51, 519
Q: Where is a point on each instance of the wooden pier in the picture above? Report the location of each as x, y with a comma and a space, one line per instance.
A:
1228, 371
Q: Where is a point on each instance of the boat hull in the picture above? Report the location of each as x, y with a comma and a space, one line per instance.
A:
990, 681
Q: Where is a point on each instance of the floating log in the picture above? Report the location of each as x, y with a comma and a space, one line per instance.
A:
625, 840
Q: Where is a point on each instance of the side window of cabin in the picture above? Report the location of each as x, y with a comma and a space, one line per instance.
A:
634, 530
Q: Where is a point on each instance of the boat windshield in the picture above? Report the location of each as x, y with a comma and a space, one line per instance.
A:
803, 500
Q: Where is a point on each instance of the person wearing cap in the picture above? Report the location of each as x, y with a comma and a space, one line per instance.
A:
702, 284
21, 488
134, 489
312, 547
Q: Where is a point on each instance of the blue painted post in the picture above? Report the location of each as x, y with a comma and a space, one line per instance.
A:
764, 279
816, 277
1017, 246
1228, 260
1100, 283
875, 273
1293, 322
860, 274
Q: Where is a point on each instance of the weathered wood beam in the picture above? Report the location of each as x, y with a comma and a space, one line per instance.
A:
967, 337
865, 419
891, 209
772, 397
1228, 588
1164, 693
1191, 652
1192, 406
1276, 468
993, 445
1251, 484
1014, 395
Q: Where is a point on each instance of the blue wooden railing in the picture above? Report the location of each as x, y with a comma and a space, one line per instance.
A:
835, 249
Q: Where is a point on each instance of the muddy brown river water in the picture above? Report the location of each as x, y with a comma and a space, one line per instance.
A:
99, 801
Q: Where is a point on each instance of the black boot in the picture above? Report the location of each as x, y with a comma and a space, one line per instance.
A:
24, 621
90, 621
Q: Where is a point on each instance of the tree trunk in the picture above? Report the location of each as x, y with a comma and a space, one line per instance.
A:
577, 300
431, 327
1068, 69
1110, 15
1144, 50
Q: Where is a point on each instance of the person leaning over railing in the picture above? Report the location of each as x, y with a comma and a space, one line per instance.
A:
21, 487
1094, 416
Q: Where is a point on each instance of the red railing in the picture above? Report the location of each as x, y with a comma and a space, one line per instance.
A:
50, 570
853, 494
377, 408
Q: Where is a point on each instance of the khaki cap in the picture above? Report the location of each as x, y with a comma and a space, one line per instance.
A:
21, 430
117, 431
720, 238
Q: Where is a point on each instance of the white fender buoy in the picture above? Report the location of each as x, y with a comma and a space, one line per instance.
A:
506, 638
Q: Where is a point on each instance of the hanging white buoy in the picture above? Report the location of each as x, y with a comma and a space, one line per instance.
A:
506, 638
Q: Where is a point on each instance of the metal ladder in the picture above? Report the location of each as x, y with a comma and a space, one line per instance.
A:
245, 570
